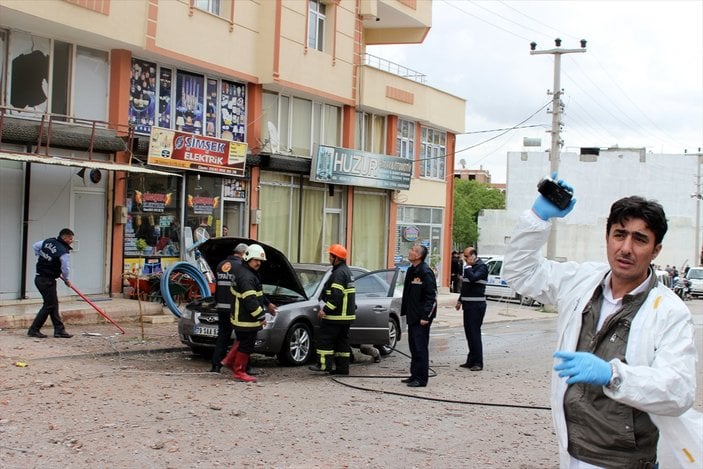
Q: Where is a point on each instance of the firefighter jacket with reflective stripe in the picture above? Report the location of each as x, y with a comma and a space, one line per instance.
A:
224, 276
339, 295
247, 307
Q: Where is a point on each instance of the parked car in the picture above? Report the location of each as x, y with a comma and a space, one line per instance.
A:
295, 289
695, 281
497, 287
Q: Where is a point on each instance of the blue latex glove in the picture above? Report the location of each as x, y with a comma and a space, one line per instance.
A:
583, 367
546, 210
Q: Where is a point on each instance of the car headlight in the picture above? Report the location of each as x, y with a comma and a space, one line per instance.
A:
270, 320
187, 314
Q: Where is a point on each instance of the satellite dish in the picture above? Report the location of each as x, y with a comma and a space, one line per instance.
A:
462, 162
274, 139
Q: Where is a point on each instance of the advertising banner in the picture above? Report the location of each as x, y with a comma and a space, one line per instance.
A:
182, 150
344, 166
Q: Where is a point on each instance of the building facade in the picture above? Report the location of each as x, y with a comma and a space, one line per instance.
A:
148, 125
599, 178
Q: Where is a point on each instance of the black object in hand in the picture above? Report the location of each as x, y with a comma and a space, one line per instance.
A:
555, 193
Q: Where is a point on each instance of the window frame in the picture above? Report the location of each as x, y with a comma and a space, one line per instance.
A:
433, 154
317, 25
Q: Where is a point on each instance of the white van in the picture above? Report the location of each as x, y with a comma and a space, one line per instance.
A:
497, 287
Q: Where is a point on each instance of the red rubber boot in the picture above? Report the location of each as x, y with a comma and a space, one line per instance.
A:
240, 368
228, 361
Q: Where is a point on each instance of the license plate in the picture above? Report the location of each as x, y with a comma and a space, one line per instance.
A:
205, 330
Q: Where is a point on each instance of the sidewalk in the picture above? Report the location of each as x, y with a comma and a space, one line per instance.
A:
158, 330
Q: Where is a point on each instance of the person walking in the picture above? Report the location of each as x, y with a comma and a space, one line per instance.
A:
473, 301
625, 368
418, 305
248, 314
337, 312
53, 261
456, 272
223, 303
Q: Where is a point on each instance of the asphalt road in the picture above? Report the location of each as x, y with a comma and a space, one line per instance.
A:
101, 400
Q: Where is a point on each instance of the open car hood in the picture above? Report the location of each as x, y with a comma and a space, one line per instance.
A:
276, 270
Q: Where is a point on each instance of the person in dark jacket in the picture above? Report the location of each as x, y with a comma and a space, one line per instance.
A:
473, 300
223, 303
337, 312
456, 271
248, 313
418, 305
53, 261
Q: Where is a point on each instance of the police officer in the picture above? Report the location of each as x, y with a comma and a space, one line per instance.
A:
473, 300
336, 315
223, 299
53, 261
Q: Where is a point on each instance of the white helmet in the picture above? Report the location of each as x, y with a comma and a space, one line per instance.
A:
254, 252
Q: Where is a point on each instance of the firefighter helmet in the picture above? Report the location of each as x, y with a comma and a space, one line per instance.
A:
254, 252
338, 250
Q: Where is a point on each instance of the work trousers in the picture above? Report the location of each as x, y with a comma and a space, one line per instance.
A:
50, 308
247, 340
224, 335
474, 312
419, 343
333, 341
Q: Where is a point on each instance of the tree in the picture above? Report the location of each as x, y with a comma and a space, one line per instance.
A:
470, 197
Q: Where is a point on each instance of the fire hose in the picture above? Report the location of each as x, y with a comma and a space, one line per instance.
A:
188, 269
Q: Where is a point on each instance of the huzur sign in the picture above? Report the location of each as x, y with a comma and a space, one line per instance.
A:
343, 166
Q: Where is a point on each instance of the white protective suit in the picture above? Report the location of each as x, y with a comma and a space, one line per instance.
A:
659, 376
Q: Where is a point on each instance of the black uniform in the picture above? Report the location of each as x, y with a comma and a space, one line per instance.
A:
48, 270
473, 302
224, 298
419, 303
339, 297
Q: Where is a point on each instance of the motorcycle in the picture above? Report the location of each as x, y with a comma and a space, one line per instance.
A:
682, 288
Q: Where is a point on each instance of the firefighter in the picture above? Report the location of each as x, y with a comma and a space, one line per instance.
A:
248, 312
336, 314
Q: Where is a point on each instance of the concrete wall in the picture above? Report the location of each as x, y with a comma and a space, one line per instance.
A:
598, 181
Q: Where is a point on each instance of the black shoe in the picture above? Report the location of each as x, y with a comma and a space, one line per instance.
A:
215, 368
416, 384
315, 368
409, 379
476, 368
339, 372
62, 335
465, 365
36, 334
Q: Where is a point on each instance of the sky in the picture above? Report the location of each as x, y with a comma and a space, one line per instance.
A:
639, 83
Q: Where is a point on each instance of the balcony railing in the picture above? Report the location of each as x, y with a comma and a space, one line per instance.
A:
394, 68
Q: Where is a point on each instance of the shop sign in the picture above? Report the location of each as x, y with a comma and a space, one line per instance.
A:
344, 166
411, 233
183, 150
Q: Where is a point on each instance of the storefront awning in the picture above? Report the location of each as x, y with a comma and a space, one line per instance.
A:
79, 163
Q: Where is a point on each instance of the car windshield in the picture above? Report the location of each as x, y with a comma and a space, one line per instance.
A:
695, 274
310, 279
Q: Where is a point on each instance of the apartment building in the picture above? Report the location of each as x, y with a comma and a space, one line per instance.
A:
147, 125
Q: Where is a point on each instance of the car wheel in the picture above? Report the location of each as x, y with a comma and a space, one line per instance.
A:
297, 346
526, 301
393, 333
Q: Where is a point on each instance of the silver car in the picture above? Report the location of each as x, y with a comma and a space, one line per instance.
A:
295, 289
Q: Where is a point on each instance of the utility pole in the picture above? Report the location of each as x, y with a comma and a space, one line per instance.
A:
557, 52
698, 196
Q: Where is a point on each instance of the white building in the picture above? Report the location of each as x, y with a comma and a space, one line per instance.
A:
600, 177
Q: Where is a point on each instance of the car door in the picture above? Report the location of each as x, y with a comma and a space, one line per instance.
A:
375, 292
